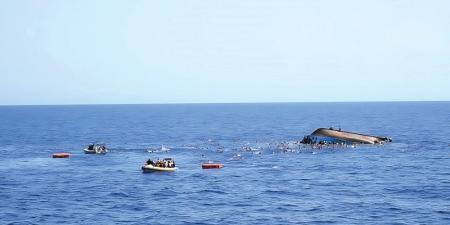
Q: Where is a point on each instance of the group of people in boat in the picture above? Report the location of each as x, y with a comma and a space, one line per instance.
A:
94, 147
166, 163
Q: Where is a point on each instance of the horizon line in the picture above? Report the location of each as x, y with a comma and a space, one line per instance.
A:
211, 103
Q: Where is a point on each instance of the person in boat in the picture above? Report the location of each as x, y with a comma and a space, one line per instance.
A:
91, 147
150, 162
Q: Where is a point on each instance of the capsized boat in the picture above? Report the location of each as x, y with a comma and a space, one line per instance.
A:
212, 165
333, 136
165, 165
96, 149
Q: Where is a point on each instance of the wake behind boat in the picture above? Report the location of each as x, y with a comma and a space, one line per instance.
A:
96, 149
158, 150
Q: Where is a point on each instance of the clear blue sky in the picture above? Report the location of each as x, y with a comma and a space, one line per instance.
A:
88, 52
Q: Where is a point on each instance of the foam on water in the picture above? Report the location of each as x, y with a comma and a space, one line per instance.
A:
406, 181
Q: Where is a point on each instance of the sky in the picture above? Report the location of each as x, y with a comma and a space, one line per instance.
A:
208, 51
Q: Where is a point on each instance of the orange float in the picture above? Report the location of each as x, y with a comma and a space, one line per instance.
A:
212, 165
61, 155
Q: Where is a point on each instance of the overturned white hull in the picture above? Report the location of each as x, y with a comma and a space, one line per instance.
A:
333, 135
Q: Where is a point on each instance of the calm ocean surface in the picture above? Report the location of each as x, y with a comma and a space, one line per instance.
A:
404, 182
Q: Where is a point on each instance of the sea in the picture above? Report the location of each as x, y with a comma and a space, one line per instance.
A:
263, 181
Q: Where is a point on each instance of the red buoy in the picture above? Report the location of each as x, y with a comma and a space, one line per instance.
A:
61, 155
212, 165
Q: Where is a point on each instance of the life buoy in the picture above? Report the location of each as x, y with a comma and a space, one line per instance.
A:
61, 155
212, 165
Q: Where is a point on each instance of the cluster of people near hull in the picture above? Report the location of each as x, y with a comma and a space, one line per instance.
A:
165, 163
311, 139
330, 136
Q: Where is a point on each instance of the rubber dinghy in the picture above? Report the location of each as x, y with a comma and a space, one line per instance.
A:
150, 168
165, 165
96, 149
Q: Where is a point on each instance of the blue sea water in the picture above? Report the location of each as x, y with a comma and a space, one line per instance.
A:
404, 182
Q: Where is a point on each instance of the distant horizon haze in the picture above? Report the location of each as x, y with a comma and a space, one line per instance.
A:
231, 103
168, 52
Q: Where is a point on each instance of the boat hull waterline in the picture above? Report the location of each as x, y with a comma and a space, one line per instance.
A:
87, 151
150, 168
